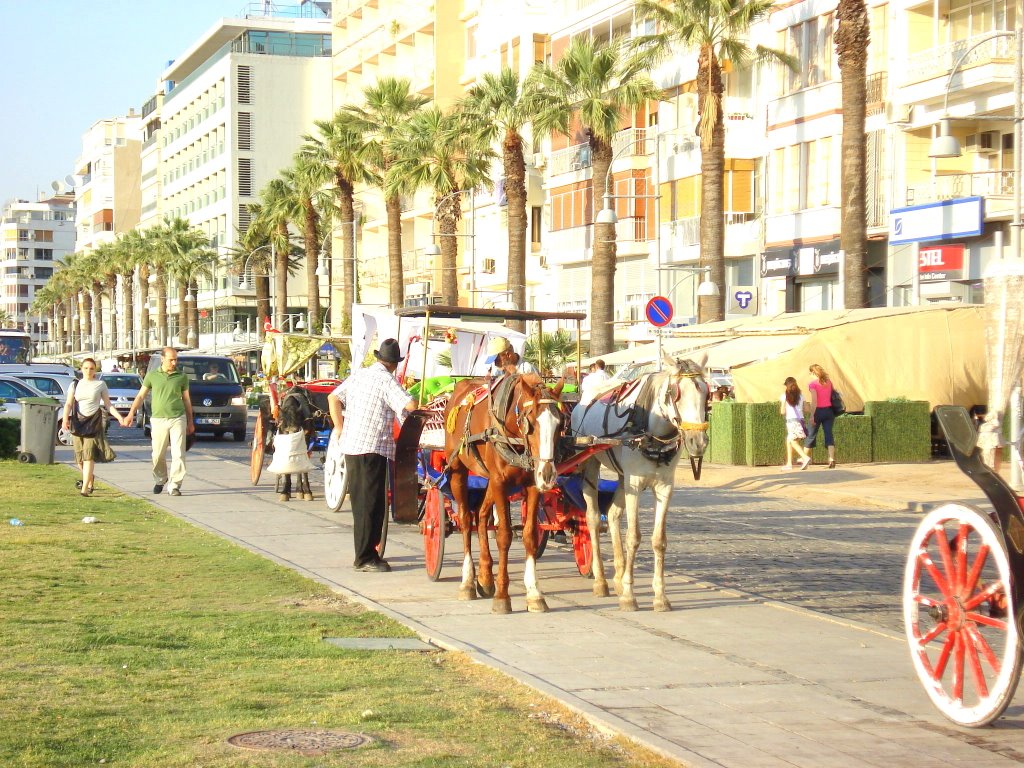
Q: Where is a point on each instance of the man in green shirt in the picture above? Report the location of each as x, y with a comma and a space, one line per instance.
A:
170, 420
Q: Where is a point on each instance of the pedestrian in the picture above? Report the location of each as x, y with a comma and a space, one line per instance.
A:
503, 359
822, 414
593, 381
83, 417
170, 420
372, 399
791, 406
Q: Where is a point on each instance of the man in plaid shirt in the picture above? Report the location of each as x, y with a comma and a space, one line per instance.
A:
367, 440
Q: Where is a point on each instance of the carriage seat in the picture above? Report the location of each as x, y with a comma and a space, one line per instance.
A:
572, 486
477, 484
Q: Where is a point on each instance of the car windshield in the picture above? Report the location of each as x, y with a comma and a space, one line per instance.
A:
122, 381
209, 371
15, 388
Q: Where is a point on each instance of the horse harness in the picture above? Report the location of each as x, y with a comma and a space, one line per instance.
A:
512, 450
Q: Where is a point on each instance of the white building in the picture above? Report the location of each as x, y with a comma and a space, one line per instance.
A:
33, 238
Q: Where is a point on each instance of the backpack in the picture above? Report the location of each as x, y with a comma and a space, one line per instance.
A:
838, 406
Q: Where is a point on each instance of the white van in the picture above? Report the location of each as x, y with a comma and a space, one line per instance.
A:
61, 369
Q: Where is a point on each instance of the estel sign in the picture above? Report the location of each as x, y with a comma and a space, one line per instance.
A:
941, 262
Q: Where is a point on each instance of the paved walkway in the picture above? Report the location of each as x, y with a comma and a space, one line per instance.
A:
726, 679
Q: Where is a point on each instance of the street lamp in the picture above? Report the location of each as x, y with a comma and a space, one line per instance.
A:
946, 145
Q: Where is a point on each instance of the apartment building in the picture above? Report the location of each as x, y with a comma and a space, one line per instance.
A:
150, 181
234, 110
34, 239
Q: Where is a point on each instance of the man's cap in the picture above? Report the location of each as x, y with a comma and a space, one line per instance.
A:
389, 352
495, 347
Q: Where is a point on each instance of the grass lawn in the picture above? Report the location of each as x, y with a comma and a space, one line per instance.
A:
144, 642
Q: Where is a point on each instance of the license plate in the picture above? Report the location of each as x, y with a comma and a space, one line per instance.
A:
212, 422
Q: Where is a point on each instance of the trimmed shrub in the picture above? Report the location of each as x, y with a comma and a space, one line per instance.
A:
901, 430
726, 433
853, 441
766, 435
10, 436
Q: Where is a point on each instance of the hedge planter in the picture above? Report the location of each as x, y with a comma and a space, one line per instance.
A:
10, 436
901, 430
766, 436
726, 433
853, 441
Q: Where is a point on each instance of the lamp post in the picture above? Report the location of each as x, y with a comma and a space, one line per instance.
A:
433, 250
946, 145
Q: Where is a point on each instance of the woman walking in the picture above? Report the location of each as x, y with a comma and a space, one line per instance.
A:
87, 396
791, 405
822, 414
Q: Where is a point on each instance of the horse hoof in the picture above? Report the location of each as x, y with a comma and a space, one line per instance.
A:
283, 497
502, 606
485, 590
627, 604
662, 605
537, 605
601, 589
307, 497
467, 593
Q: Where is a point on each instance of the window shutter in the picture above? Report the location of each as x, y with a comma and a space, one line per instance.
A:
245, 177
244, 84
245, 130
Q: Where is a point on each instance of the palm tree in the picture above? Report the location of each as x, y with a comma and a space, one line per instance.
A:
598, 84
434, 149
389, 103
254, 252
184, 253
717, 30
307, 179
499, 109
852, 40
132, 251
105, 257
554, 350
278, 210
342, 148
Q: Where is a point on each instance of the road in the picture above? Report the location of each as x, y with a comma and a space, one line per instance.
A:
841, 561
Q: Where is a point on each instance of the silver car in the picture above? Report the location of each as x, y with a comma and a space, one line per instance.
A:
12, 388
123, 387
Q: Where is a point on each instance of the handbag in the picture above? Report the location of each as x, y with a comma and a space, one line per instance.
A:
83, 426
838, 406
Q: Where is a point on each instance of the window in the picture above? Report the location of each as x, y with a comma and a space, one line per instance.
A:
23, 234
571, 206
43, 236
810, 42
245, 176
245, 130
802, 176
244, 85
43, 254
535, 224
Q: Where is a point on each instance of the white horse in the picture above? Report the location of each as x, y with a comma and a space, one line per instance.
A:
661, 416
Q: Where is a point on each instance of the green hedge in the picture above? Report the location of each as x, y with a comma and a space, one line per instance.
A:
766, 431
727, 433
10, 436
901, 430
853, 441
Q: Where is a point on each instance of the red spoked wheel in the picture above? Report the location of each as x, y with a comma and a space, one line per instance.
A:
959, 615
540, 534
434, 529
583, 551
259, 447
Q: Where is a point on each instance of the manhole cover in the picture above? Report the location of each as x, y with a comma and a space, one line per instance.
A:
302, 741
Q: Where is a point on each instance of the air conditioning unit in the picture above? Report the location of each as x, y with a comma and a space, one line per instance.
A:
985, 142
540, 160
489, 266
899, 113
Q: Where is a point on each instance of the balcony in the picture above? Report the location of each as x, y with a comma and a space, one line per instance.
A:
742, 233
578, 156
987, 68
983, 184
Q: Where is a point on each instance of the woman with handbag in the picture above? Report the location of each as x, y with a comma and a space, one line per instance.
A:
822, 414
791, 405
83, 417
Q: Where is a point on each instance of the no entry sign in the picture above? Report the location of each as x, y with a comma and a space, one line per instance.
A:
659, 311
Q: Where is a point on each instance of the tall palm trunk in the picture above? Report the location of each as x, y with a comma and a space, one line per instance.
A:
712, 168
310, 223
85, 312
128, 286
262, 280
161, 307
515, 192
396, 278
449, 212
852, 40
341, 319
97, 307
192, 309
281, 278
144, 305
182, 313
110, 284
602, 288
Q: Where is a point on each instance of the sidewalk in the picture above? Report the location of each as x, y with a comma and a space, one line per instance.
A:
726, 679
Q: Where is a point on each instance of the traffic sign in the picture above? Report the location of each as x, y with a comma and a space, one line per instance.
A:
659, 311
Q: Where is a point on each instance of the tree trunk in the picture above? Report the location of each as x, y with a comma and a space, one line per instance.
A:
310, 227
111, 290
602, 287
97, 308
396, 277
449, 211
852, 40
341, 317
281, 278
262, 280
128, 286
144, 305
182, 314
712, 206
161, 308
515, 192
192, 308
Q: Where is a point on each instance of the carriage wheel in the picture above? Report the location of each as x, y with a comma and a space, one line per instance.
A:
259, 447
542, 534
434, 529
583, 551
959, 616
387, 515
335, 479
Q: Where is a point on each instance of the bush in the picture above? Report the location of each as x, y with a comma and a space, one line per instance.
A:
726, 432
10, 436
766, 435
901, 430
853, 441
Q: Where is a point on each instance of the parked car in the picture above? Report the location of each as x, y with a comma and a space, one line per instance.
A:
218, 400
55, 385
123, 388
12, 388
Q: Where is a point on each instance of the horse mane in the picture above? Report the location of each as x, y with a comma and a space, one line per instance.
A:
295, 409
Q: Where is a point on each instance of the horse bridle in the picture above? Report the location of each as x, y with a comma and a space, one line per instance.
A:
688, 426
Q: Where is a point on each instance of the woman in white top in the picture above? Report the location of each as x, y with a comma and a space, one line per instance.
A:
791, 405
89, 393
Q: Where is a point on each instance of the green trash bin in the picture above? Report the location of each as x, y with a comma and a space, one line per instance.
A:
38, 429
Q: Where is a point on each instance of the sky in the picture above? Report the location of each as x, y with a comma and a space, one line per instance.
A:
64, 64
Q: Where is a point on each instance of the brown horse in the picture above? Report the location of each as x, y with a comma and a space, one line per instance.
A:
507, 431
